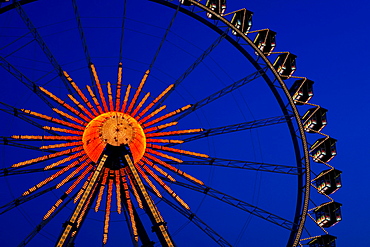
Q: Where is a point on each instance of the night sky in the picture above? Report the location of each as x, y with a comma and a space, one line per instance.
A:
329, 39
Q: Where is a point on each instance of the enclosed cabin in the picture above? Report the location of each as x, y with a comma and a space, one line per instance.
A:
323, 241
218, 6
242, 20
265, 41
301, 91
324, 149
328, 181
328, 214
314, 119
185, 2
285, 65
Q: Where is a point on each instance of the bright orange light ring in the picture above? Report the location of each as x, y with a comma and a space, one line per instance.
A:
114, 128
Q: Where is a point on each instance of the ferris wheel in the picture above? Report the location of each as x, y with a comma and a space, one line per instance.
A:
158, 123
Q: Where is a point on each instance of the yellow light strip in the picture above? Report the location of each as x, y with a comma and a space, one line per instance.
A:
155, 101
178, 171
64, 104
101, 189
85, 208
62, 145
136, 194
165, 141
171, 133
70, 189
159, 127
45, 157
55, 206
73, 132
44, 138
79, 105
110, 97
140, 104
118, 89
107, 211
70, 117
166, 187
93, 96
55, 120
62, 161
118, 190
156, 191
152, 114
158, 169
153, 209
138, 91
167, 116
50, 178
80, 93
82, 201
174, 150
72, 174
129, 206
80, 192
97, 81
163, 155
125, 100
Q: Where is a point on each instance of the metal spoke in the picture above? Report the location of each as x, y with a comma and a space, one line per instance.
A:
22, 199
164, 38
43, 223
83, 39
193, 66
17, 170
240, 164
197, 221
222, 92
238, 204
42, 44
235, 128
23, 79
11, 142
122, 31
19, 114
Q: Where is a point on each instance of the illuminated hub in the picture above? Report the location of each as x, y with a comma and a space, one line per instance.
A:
116, 129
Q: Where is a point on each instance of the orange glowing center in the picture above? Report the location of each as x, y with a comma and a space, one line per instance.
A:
116, 129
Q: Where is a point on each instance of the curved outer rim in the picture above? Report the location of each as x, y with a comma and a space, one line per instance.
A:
300, 215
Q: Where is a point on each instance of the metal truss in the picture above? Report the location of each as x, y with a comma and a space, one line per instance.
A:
43, 223
20, 114
11, 142
248, 165
197, 221
238, 204
23, 79
22, 199
235, 127
193, 66
222, 92
42, 44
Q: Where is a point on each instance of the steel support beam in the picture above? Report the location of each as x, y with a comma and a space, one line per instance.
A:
222, 92
254, 210
42, 44
240, 164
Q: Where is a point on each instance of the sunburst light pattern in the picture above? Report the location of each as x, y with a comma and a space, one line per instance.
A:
108, 147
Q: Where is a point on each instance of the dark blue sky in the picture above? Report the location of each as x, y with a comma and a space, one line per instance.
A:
329, 39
